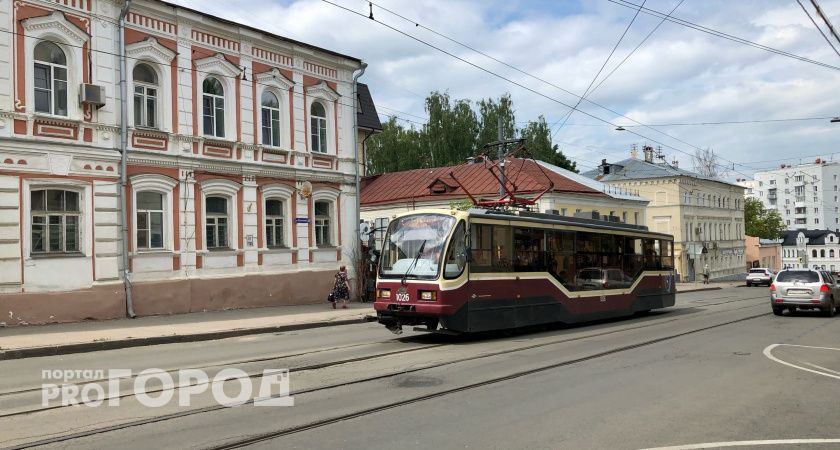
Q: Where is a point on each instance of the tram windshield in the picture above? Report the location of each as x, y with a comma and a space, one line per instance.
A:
414, 246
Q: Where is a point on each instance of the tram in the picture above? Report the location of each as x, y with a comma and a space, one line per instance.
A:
484, 269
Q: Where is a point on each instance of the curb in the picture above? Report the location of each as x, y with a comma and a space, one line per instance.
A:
700, 290
86, 347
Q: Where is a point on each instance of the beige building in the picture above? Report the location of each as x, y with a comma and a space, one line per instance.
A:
764, 253
705, 216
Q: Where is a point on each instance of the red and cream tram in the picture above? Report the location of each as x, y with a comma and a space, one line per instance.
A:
480, 270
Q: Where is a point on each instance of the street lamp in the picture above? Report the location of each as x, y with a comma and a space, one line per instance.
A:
620, 128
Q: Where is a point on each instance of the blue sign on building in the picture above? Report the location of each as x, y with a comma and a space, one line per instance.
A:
301, 219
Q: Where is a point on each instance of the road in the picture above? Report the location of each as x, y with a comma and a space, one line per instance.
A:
717, 368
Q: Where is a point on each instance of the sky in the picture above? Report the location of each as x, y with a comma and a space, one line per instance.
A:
678, 76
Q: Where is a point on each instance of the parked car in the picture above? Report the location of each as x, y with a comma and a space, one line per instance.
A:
595, 278
759, 276
805, 289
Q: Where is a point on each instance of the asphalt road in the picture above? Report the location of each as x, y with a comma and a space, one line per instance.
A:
717, 369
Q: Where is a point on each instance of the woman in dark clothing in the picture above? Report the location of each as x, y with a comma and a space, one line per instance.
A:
341, 289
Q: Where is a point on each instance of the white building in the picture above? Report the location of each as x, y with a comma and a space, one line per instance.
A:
228, 127
816, 249
807, 196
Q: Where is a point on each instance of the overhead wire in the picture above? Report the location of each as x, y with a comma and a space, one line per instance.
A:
818, 28
601, 69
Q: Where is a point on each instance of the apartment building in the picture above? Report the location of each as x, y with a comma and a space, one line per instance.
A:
807, 196
241, 162
705, 216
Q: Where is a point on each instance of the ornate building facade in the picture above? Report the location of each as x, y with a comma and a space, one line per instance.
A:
240, 169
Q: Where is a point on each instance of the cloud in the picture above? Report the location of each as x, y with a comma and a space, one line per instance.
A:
678, 75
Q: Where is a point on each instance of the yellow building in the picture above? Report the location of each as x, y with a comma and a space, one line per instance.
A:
705, 215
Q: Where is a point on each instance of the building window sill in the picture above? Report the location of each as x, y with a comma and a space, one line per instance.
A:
57, 255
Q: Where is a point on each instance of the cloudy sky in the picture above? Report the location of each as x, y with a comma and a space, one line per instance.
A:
678, 76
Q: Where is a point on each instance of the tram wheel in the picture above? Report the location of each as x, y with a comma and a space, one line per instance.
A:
432, 324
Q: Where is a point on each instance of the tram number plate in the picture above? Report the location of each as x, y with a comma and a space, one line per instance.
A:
603, 298
402, 295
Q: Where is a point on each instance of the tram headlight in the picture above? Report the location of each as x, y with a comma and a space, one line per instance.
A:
384, 293
428, 296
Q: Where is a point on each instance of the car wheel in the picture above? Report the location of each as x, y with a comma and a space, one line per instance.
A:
792, 310
830, 311
777, 311
749, 285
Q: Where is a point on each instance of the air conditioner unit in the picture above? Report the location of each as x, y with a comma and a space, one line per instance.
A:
92, 94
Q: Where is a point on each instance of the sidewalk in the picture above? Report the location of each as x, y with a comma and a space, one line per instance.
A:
64, 338
713, 286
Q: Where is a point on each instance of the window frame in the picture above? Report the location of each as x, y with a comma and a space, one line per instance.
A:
322, 128
148, 213
215, 99
51, 78
275, 137
215, 217
145, 98
271, 221
325, 225
63, 214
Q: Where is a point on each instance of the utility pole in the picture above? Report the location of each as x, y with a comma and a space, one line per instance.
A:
501, 151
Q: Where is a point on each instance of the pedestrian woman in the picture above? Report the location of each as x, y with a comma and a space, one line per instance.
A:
341, 289
706, 274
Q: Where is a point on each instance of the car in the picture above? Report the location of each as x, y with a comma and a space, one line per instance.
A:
795, 289
758, 276
595, 278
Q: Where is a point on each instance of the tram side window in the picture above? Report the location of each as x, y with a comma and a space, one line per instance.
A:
560, 247
481, 243
650, 247
528, 250
599, 262
667, 252
456, 255
502, 249
633, 257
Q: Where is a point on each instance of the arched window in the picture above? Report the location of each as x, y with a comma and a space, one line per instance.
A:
822, 253
318, 127
145, 96
831, 253
150, 220
216, 222
274, 223
270, 119
814, 253
50, 79
213, 103
323, 233
55, 221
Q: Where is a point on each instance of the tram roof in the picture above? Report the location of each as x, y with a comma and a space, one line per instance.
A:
555, 219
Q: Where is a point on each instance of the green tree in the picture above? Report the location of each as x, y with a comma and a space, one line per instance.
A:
396, 148
761, 222
489, 111
537, 135
451, 130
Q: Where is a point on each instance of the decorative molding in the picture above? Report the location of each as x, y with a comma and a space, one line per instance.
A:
320, 70
152, 49
274, 78
215, 41
150, 23
270, 56
57, 22
219, 64
323, 90
152, 182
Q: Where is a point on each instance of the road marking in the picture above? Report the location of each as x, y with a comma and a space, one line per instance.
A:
768, 352
822, 368
748, 443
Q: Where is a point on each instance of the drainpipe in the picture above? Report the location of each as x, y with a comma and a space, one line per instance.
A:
356, 143
129, 305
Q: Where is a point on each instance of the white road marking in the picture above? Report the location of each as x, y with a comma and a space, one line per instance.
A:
748, 443
822, 368
768, 352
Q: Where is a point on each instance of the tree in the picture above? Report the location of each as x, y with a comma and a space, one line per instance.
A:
397, 148
537, 135
707, 164
490, 111
761, 222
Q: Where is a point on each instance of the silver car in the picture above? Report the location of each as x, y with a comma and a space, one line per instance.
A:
758, 276
804, 289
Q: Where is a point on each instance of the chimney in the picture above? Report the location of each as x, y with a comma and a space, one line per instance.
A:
818, 161
648, 151
634, 153
605, 167
675, 163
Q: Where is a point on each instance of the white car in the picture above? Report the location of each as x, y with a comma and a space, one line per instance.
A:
759, 276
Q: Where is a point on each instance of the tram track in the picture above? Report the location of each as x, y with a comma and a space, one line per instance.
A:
391, 374
257, 374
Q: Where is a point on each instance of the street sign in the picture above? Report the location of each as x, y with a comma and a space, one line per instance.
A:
301, 219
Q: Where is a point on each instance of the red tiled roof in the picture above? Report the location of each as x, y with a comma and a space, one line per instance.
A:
417, 184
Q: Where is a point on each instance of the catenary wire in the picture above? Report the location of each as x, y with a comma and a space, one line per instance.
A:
818, 27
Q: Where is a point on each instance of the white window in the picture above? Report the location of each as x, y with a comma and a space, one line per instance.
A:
145, 96
149, 221
274, 223
55, 221
323, 223
213, 106
270, 119
318, 127
50, 79
216, 222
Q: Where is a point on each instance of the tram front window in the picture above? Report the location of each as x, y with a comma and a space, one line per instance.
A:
414, 246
